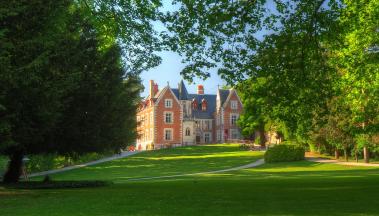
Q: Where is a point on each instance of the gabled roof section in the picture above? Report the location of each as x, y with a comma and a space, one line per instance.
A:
231, 92
224, 94
162, 92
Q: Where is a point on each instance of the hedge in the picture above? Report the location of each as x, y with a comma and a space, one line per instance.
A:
284, 153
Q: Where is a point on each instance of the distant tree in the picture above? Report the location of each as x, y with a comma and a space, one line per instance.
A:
338, 127
356, 55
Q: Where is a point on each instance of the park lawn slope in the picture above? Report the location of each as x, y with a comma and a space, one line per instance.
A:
295, 188
182, 160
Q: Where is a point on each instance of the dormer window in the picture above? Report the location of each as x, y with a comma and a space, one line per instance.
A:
203, 105
194, 104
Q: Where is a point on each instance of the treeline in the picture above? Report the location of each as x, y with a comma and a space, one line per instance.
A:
307, 69
64, 88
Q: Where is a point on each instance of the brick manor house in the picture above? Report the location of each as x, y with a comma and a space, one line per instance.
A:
173, 117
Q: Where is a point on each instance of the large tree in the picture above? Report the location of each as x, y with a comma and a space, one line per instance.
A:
356, 56
280, 43
68, 85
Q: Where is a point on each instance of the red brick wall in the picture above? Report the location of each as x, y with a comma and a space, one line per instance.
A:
160, 121
228, 111
145, 125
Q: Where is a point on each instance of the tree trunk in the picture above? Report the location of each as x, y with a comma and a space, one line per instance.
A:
262, 137
366, 155
336, 154
345, 154
356, 156
14, 170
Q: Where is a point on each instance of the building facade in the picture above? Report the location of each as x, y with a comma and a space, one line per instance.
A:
173, 117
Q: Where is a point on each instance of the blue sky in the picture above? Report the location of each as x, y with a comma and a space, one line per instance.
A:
169, 69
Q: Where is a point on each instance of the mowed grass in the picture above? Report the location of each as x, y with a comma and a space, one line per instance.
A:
297, 188
174, 161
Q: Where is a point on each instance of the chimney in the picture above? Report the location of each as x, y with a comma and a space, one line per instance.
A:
151, 88
155, 90
200, 89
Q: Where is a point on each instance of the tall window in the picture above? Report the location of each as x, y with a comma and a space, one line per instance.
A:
168, 117
188, 131
218, 135
207, 138
233, 119
234, 104
151, 118
235, 134
168, 134
207, 125
168, 103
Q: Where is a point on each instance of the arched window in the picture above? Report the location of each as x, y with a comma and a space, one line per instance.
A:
188, 131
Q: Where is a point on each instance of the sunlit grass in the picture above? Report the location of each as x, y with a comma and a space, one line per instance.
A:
190, 159
293, 188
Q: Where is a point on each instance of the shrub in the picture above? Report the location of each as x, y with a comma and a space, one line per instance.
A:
43, 162
245, 146
283, 153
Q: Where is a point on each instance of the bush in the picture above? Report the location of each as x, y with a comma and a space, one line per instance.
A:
284, 153
43, 162
246, 146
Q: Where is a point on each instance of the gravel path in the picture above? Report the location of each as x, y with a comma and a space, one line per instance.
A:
114, 157
323, 160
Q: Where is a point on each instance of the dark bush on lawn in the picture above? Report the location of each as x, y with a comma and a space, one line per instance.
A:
283, 153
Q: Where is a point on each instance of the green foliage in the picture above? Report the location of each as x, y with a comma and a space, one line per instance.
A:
284, 153
257, 140
65, 87
44, 162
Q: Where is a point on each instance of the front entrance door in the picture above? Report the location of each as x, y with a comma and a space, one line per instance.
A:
207, 138
197, 139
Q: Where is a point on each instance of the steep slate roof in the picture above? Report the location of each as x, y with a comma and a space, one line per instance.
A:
183, 93
211, 105
223, 95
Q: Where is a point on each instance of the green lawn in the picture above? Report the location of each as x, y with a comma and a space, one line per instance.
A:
190, 159
298, 188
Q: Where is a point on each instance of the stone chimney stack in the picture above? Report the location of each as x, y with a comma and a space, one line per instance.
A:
155, 90
151, 88
200, 89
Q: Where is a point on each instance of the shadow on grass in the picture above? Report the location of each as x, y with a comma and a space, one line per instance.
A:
56, 184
